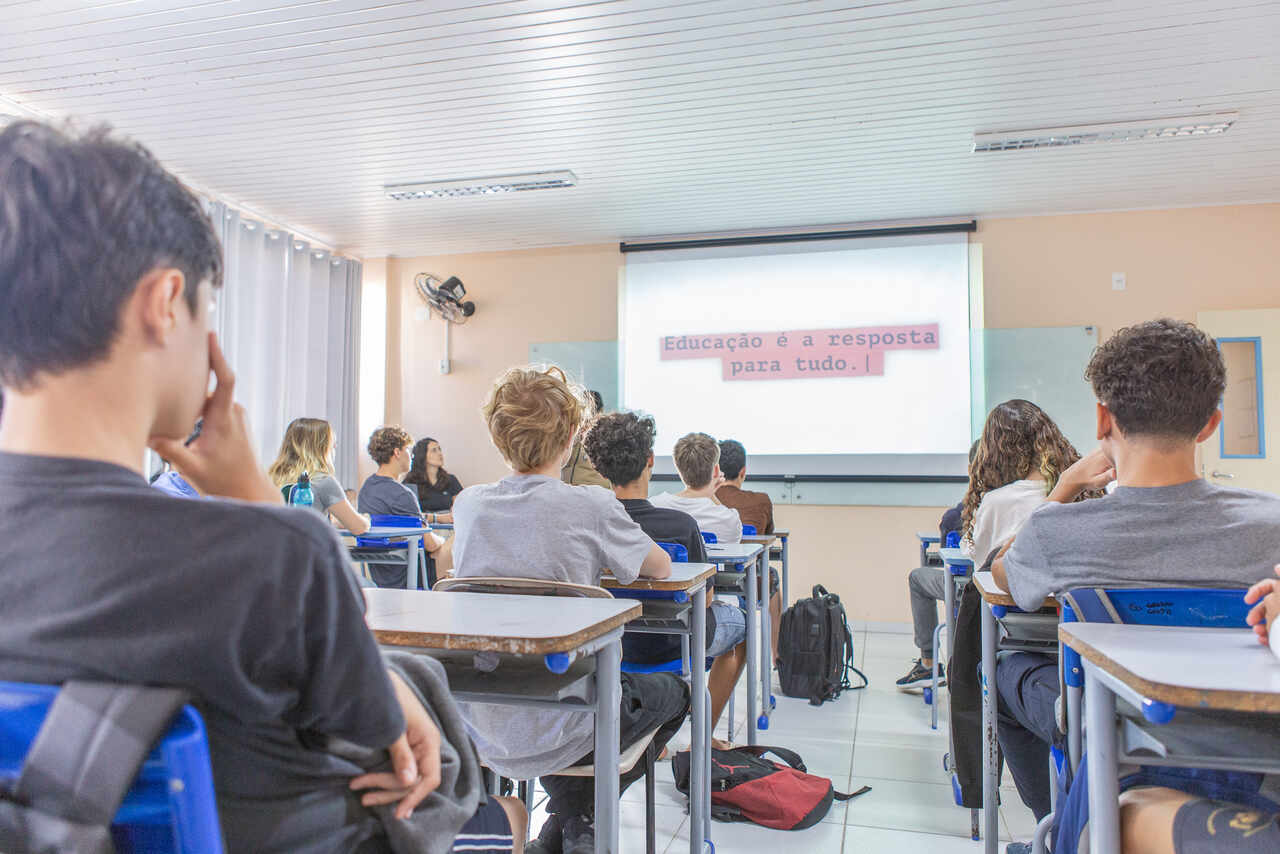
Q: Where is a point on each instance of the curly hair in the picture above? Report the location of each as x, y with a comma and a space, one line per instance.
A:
1163, 379
385, 441
1018, 439
533, 415
619, 445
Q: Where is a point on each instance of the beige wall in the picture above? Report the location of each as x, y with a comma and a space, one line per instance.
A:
1038, 271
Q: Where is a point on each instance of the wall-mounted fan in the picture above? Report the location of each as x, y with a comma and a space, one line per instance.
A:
445, 296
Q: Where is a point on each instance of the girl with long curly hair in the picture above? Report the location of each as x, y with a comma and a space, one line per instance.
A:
1020, 456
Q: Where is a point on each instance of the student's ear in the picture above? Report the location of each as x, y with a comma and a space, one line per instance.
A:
1212, 424
160, 297
1105, 422
649, 464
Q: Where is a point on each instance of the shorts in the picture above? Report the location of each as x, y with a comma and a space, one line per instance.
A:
731, 629
1214, 827
487, 831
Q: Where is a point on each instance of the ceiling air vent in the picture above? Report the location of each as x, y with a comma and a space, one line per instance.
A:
1176, 128
481, 186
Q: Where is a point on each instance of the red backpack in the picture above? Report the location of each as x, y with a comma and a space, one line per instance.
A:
747, 787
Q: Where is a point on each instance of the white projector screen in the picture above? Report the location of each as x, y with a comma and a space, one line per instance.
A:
843, 357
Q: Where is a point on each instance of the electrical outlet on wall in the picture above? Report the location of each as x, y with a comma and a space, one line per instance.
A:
1117, 281
444, 366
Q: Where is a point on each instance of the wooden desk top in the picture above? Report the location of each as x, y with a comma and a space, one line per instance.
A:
732, 552
492, 622
1225, 669
991, 592
765, 540
957, 556
781, 533
926, 537
684, 577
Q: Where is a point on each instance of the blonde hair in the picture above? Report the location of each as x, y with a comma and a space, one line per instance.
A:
306, 446
696, 456
533, 414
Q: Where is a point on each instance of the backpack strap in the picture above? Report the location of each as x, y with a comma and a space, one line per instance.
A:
848, 796
90, 746
788, 756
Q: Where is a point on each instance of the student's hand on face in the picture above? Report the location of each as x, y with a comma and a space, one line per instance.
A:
1266, 595
221, 461
415, 759
1092, 471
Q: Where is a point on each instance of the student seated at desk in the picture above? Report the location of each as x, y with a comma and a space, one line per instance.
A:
1158, 386
531, 524
620, 446
245, 603
697, 458
436, 487
754, 508
382, 494
308, 446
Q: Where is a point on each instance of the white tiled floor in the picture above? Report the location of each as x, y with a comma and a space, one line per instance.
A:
878, 737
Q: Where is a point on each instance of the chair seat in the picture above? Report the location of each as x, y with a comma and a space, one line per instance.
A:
626, 761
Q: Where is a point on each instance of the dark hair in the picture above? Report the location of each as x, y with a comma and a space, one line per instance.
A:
418, 468
385, 441
597, 401
619, 445
82, 220
1163, 378
733, 458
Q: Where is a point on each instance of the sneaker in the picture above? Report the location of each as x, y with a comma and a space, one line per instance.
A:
1018, 848
579, 835
549, 839
919, 675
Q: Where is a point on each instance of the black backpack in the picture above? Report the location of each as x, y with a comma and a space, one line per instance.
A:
815, 649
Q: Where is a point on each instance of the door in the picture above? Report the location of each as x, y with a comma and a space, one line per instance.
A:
1246, 449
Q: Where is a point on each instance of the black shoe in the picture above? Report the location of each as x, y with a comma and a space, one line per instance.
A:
1016, 848
919, 675
549, 839
579, 835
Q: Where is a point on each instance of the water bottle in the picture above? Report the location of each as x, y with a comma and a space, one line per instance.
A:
301, 495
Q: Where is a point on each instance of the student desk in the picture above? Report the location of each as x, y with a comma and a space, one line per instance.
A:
411, 536
927, 539
957, 568
1164, 675
1028, 632
784, 535
678, 605
553, 651
754, 557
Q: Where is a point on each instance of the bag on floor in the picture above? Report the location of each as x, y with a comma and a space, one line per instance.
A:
745, 786
815, 649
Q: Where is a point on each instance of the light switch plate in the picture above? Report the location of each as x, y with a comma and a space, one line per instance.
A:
1117, 281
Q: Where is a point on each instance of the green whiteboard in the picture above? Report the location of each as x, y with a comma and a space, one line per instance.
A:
592, 363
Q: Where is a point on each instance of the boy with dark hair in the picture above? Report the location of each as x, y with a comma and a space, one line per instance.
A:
620, 446
1158, 386
754, 508
108, 270
382, 494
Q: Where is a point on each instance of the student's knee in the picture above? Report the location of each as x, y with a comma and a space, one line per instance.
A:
1146, 819
518, 818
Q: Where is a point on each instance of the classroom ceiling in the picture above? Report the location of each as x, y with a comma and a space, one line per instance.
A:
677, 116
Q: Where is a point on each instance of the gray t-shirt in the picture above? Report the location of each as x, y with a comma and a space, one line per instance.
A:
386, 496
1192, 534
327, 491
532, 526
251, 608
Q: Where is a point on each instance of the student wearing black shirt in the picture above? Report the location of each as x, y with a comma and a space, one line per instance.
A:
620, 447
108, 271
436, 487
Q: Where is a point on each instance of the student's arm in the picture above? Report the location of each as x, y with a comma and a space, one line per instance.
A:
997, 566
657, 563
415, 759
356, 523
1265, 614
1090, 472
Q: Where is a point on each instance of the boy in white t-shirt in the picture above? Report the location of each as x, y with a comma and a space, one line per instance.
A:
530, 524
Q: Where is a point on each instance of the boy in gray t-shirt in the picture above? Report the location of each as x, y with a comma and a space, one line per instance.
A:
1158, 385
533, 525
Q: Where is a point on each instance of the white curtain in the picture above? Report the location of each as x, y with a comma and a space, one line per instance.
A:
289, 321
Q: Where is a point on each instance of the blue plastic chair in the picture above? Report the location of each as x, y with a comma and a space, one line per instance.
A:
678, 552
748, 530
170, 807
387, 521
708, 537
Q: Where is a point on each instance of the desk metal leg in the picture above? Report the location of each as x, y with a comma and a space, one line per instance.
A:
1104, 786
753, 648
990, 741
700, 741
766, 644
411, 579
786, 574
608, 711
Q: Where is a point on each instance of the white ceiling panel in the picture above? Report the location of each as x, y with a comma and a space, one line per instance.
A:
678, 116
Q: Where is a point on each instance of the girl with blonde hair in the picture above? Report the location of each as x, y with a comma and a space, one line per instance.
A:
308, 447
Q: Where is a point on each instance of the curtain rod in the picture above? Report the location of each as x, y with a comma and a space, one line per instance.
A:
712, 242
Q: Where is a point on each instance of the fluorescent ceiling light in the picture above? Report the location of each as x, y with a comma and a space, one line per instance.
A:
481, 186
1175, 128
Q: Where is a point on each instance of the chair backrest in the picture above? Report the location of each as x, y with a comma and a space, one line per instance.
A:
678, 552
708, 537
170, 807
521, 586
383, 521
748, 530
953, 540
287, 490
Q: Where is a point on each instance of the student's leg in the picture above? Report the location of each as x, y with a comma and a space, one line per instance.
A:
926, 585
775, 620
1027, 686
497, 827
729, 648
1165, 821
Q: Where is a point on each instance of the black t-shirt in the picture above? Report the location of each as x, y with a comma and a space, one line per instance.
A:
251, 608
438, 497
664, 526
